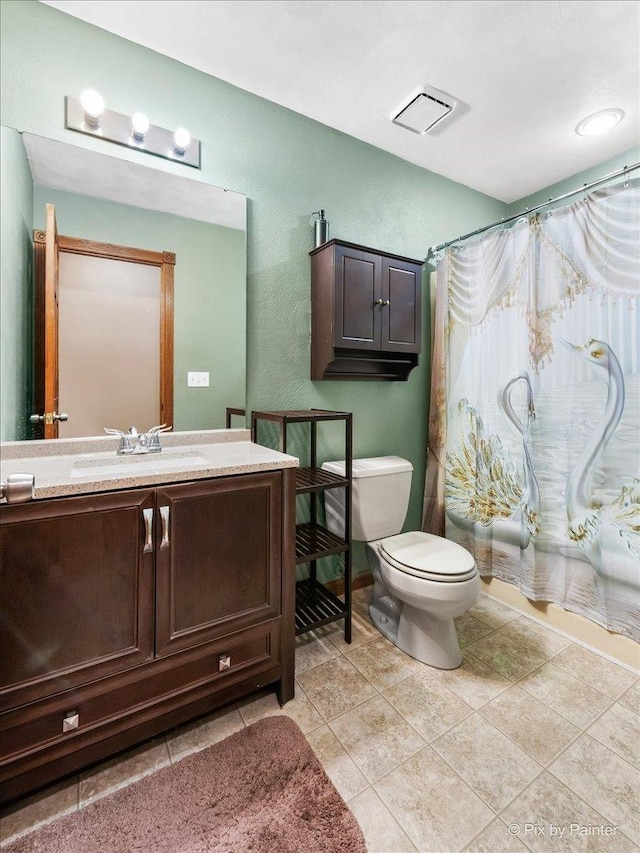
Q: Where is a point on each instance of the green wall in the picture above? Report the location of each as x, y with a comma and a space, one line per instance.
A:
575, 181
16, 293
288, 166
209, 292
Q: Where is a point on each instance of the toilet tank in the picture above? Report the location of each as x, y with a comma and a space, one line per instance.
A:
381, 487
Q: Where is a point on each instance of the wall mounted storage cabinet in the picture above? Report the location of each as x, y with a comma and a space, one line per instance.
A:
365, 313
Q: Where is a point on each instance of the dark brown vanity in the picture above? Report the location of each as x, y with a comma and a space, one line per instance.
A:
365, 313
127, 612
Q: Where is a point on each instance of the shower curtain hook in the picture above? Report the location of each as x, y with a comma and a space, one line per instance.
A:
626, 177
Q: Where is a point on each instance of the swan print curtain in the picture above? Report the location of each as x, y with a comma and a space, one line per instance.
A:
534, 432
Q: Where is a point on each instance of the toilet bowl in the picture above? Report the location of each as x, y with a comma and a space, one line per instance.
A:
422, 582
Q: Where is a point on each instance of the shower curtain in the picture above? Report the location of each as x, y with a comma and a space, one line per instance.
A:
534, 430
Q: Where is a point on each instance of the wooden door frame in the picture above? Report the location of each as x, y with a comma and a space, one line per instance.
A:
166, 262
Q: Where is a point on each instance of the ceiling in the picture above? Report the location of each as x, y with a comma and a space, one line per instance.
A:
523, 73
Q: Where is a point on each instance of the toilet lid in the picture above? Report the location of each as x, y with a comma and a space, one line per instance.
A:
428, 556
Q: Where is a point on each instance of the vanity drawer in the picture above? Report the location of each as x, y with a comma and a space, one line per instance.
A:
77, 716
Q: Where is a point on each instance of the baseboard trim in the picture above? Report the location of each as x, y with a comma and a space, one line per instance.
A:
360, 580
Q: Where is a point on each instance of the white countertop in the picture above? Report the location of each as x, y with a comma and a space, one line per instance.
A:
77, 466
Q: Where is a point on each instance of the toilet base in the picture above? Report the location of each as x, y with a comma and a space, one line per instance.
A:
438, 647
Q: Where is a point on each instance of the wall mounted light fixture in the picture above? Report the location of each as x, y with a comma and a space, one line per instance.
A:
87, 114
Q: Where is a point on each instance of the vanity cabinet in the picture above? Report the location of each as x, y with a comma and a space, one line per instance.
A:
129, 612
366, 313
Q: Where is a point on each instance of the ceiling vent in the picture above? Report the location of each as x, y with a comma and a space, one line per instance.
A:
425, 110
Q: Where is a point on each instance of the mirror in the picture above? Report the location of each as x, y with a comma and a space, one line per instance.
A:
99, 199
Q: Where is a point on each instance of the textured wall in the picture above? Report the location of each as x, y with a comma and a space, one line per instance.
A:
209, 292
288, 166
626, 159
16, 204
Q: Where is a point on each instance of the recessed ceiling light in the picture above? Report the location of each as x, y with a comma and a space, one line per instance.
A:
599, 122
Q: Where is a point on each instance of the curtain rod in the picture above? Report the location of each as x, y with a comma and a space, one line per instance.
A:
624, 171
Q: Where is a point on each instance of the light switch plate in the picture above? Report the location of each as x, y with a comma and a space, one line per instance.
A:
197, 379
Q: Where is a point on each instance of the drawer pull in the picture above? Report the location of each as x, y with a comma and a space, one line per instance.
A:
147, 514
164, 515
224, 662
71, 721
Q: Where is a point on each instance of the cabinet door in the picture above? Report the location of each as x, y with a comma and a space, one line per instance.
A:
357, 291
218, 560
77, 591
401, 311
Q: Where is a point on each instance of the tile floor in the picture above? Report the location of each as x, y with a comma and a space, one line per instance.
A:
533, 743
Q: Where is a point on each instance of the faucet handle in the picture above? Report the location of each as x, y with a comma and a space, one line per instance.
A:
154, 437
125, 439
156, 429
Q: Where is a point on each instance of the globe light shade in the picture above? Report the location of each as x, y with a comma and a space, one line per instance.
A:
181, 140
93, 105
139, 125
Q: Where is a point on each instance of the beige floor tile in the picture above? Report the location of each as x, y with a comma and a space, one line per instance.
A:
436, 809
469, 629
362, 631
607, 782
335, 687
508, 657
566, 695
496, 838
492, 765
376, 737
425, 702
31, 812
360, 601
491, 612
550, 818
382, 663
536, 637
300, 709
474, 681
381, 832
533, 726
203, 733
123, 770
631, 699
338, 765
595, 670
619, 729
312, 649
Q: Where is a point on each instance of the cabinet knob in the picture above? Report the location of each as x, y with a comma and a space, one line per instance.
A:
71, 721
379, 302
224, 662
387, 302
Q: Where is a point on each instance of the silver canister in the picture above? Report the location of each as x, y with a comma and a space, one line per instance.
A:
320, 228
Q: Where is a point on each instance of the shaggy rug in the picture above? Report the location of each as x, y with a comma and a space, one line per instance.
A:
262, 790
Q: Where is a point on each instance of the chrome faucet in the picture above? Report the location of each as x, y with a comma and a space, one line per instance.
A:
135, 443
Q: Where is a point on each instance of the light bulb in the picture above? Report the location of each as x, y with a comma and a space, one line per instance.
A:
181, 140
599, 122
93, 106
139, 126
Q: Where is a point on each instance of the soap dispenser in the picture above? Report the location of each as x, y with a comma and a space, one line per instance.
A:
320, 229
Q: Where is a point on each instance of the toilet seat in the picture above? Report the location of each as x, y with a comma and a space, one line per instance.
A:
429, 557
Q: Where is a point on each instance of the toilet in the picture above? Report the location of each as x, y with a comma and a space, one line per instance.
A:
421, 581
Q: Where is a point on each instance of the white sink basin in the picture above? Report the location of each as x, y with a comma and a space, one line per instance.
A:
138, 464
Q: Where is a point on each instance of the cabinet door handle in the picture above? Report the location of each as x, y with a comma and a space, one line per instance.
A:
387, 302
147, 514
164, 515
379, 302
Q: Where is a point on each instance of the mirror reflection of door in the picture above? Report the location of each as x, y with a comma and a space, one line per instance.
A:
104, 335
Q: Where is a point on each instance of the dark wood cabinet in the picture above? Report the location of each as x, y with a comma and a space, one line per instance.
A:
366, 313
127, 613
